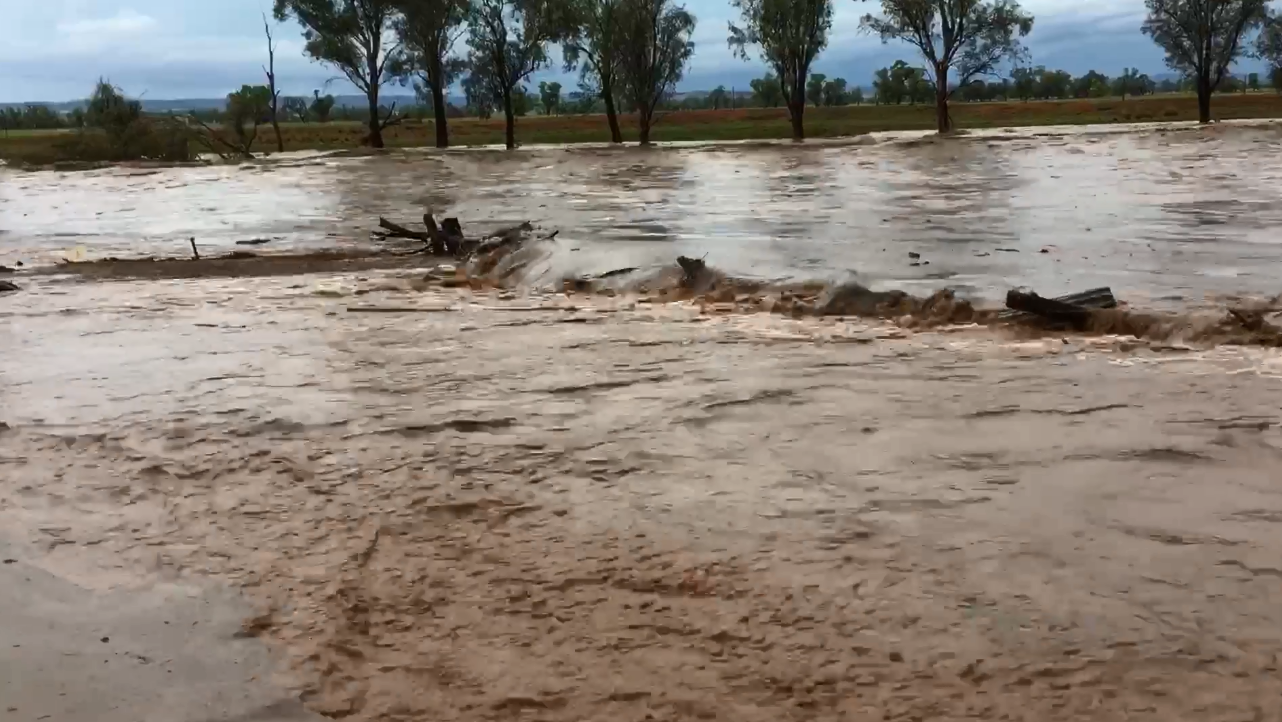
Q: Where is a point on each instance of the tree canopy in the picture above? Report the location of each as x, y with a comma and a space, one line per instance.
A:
656, 46
1203, 38
789, 35
509, 41
594, 42
356, 37
969, 37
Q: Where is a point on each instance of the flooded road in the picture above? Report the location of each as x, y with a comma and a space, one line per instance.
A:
457, 505
1166, 217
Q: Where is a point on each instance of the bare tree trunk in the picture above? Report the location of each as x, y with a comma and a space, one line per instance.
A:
611, 114
796, 107
375, 122
438, 110
942, 118
643, 126
1203, 98
280, 142
510, 116
271, 84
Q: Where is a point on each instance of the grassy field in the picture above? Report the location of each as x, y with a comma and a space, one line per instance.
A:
740, 124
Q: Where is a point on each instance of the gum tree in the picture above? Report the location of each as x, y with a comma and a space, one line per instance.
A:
1268, 47
428, 30
357, 38
1203, 38
594, 42
509, 40
971, 37
789, 34
654, 49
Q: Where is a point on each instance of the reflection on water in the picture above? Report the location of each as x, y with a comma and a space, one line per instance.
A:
1155, 214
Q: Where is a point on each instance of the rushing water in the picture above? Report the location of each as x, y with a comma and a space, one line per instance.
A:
473, 506
1165, 216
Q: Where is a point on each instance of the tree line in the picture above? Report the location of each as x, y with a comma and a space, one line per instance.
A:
630, 54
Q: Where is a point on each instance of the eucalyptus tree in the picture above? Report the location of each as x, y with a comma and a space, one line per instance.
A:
974, 38
356, 37
789, 35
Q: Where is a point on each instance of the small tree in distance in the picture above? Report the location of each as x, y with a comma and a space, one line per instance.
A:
766, 92
790, 34
1268, 47
550, 97
248, 108
322, 106
972, 37
834, 92
296, 108
815, 89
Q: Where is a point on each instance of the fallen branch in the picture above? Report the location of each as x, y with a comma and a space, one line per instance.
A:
210, 136
1057, 312
399, 309
395, 230
436, 240
615, 272
1094, 298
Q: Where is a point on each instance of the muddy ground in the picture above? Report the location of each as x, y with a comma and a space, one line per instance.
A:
560, 508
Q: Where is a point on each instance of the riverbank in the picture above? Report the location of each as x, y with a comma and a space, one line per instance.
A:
739, 124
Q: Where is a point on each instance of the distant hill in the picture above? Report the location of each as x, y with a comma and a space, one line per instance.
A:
183, 105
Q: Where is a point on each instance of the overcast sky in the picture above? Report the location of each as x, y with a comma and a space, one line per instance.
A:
54, 49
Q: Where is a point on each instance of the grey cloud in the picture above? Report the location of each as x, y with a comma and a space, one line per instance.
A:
200, 53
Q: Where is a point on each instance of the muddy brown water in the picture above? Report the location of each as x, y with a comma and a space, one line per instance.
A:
500, 506
1165, 216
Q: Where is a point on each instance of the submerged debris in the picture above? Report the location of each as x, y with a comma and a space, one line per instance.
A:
1073, 310
695, 270
446, 239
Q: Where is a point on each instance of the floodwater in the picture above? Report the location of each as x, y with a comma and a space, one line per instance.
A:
1165, 216
503, 505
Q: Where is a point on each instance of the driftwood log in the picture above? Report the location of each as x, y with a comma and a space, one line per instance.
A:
1094, 298
1072, 311
396, 230
441, 240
